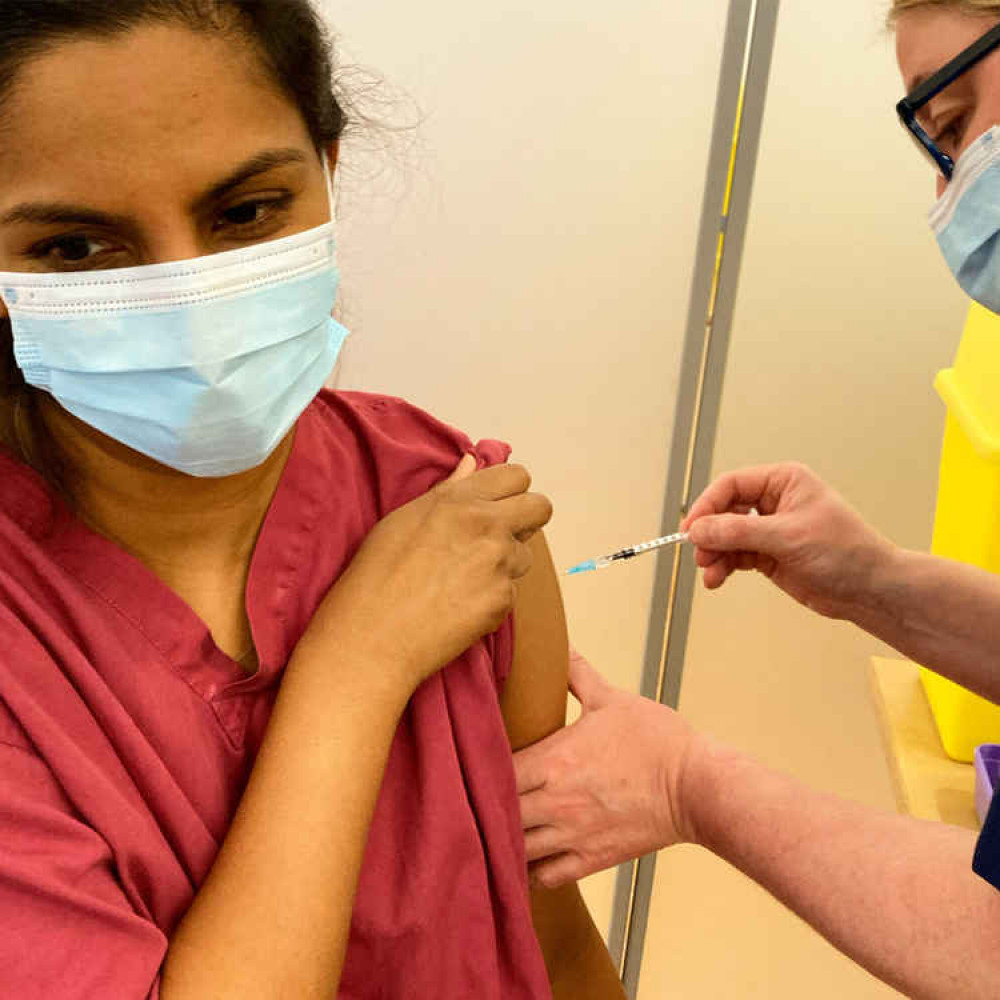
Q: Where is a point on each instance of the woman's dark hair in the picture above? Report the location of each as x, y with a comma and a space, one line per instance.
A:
287, 35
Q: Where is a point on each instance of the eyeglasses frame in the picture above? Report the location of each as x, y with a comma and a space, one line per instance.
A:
908, 107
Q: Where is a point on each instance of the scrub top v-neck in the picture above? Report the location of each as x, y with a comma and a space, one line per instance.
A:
127, 737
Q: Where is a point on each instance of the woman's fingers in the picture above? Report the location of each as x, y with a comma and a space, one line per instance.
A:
495, 483
505, 489
526, 515
520, 561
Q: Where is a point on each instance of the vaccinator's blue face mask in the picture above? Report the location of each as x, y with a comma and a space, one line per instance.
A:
203, 365
966, 220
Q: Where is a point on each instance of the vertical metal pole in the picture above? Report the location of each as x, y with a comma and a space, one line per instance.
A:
744, 76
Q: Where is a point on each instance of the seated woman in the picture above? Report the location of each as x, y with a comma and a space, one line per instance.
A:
259, 681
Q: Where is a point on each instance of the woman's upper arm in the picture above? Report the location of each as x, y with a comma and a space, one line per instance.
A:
534, 706
534, 698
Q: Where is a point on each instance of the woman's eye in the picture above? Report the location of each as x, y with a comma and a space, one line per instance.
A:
67, 251
253, 213
245, 215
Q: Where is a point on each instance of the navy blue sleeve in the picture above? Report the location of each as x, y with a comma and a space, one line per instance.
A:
986, 861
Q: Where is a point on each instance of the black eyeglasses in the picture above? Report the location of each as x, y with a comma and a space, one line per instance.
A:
909, 106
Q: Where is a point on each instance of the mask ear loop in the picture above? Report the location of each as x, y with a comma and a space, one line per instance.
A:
330, 191
331, 194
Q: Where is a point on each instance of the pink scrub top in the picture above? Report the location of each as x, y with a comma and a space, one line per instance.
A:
127, 737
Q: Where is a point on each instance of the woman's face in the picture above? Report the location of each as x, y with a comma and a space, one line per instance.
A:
926, 39
159, 145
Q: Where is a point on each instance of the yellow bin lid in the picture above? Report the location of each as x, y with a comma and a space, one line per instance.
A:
971, 389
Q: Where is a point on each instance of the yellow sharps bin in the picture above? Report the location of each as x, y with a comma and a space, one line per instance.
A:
967, 524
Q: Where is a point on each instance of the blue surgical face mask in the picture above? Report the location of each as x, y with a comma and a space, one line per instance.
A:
966, 220
203, 365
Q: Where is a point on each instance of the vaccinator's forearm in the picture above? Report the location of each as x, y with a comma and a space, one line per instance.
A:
895, 894
941, 614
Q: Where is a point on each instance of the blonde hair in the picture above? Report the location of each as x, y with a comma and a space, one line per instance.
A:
977, 8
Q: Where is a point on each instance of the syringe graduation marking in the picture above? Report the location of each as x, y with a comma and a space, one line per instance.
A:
629, 553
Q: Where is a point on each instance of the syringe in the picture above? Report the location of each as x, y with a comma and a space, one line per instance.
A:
636, 550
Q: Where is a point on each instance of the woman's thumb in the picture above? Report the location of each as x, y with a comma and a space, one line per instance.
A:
464, 469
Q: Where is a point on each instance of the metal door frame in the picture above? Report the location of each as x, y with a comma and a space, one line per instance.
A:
746, 66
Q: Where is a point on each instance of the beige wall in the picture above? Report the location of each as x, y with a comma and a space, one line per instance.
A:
846, 312
522, 268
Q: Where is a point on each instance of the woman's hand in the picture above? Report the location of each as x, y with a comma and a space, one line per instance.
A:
807, 540
435, 575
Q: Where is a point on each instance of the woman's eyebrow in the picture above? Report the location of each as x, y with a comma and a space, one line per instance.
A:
259, 164
66, 214
61, 214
